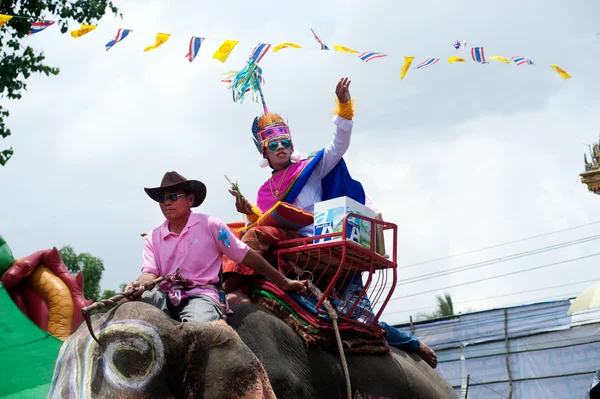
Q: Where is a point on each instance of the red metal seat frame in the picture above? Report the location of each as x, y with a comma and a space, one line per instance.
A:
330, 263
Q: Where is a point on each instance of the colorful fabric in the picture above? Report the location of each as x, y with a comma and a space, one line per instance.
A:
39, 26
522, 60
259, 51
427, 63
194, 48
303, 306
371, 55
176, 285
259, 238
121, 34
337, 183
284, 216
275, 189
478, 55
196, 252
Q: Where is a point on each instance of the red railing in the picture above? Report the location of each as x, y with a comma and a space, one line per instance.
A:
336, 264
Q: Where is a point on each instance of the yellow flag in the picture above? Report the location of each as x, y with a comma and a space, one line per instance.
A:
563, 74
455, 59
161, 38
4, 18
83, 30
407, 61
226, 48
499, 58
344, 49
285, 45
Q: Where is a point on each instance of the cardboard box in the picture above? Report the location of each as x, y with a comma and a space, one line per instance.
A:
330, 214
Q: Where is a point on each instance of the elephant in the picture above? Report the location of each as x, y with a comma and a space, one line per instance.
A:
254, 354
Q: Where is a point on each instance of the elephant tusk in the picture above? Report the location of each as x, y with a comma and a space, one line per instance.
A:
87, 311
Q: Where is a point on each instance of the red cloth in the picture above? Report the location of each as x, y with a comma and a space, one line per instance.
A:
261, 239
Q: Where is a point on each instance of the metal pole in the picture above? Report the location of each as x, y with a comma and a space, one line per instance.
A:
510, 381
467, 390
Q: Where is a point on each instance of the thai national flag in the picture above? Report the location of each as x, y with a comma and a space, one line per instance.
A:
323, 45
522, 60
39, 26
259, 51
366, 57
121, 34
195, 44
478, 55
427, 63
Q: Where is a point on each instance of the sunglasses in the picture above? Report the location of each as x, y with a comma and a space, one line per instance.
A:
274, 144
171, 196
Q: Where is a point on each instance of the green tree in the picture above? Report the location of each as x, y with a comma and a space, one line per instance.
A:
18, 61
108, 294
445, 308
90, 266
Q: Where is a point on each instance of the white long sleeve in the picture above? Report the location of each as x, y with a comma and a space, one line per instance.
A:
312, 191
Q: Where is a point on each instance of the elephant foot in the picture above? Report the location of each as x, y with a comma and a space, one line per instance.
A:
237, 297
428, 355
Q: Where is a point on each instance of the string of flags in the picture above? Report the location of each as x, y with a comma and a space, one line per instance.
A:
227, 47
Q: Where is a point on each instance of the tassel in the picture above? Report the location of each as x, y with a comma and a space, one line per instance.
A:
247, 80
296, 157
264, 163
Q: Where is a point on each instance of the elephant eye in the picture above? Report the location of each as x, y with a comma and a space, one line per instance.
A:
133, 356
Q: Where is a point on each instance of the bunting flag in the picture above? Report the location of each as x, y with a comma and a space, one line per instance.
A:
407, 61
366, 57
499, 58
39, 26
195, 43
563, 74
226, 48
478, 55
4, 18
323, 45
121, 34
285, 45
161, 38
344, 49
427, 63
454, 59
85, 29
259, 51
522, 60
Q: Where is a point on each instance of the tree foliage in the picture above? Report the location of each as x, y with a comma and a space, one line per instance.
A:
90, 266
445, 308
18, 62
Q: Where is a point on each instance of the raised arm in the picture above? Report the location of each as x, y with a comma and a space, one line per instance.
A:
343, 129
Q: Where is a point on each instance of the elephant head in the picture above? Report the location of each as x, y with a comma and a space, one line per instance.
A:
145, 354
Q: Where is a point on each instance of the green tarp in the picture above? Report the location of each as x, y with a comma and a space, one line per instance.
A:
6, 256
27, 353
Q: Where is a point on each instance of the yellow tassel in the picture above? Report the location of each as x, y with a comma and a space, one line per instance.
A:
345, 110
256, 214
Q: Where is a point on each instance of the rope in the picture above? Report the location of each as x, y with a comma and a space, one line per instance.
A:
333, 315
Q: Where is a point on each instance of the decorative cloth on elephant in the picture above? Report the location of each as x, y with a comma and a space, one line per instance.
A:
318, 330
196, 252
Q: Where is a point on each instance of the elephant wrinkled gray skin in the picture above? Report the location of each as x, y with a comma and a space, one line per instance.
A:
147, 355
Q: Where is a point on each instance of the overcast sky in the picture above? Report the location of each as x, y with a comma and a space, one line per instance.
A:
460, 156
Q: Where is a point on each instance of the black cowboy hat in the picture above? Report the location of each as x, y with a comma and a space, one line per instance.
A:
173, 181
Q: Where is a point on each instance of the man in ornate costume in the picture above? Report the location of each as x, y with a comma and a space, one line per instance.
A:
301, 183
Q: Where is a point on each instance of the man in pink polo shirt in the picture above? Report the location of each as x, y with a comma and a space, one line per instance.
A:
187, 249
